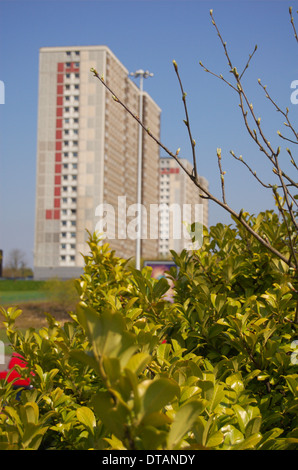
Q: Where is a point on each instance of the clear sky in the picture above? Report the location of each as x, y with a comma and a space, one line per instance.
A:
149, 34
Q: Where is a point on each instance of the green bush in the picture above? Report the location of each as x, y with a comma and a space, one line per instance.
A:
214, 369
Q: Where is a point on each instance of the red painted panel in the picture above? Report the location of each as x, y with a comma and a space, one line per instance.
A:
49, 214
58, 123
58, 134
56, 203
60, 90
58, 168
57, 179
58, 157
60, 66
56, 214
58, 145
59, 100
59, 112
57, 191
60, 78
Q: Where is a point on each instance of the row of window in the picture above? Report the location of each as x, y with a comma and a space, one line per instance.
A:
70, 154
70, 222
71, 109
68, 64
68, 97
68, 234
67, 258
72, 75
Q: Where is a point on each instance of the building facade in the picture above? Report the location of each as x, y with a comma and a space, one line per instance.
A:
87, 153
180, 206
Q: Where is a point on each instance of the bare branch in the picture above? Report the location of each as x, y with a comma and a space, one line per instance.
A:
222, 176
247, 63
192, 141
292, 22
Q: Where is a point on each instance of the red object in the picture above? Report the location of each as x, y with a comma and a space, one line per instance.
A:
49, 214
11, 374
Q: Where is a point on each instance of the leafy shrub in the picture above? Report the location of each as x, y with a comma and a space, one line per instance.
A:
214, 369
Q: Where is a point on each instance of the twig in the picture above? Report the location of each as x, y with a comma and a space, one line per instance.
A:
192, 141
222, 176
292, 22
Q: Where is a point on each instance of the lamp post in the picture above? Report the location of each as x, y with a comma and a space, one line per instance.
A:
142, 74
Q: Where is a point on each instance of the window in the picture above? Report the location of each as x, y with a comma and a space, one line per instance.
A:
75, 154
72, 258
77, 75
77, 64
63, 258
77, 52
68, 52
75, 165
65, 154
67, 64
63, 234
66, 110
72, 246
63, 246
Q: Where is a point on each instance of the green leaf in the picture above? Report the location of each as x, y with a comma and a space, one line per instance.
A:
87, 418
158, 394
160, 288
138, 362
107, 333
184, 420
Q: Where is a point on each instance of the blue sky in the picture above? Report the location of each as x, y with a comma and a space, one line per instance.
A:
149, 34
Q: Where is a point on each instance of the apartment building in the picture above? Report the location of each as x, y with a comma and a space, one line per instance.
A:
87, 153
180, 206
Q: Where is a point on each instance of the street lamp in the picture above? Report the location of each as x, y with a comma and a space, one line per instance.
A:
140, 73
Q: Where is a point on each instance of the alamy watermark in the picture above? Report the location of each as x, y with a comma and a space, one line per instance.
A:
2, 92
294, 94
136, 221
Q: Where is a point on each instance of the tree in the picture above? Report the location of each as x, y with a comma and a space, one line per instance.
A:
16, 265
283, 186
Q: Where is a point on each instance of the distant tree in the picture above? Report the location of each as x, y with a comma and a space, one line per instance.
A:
16, 265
